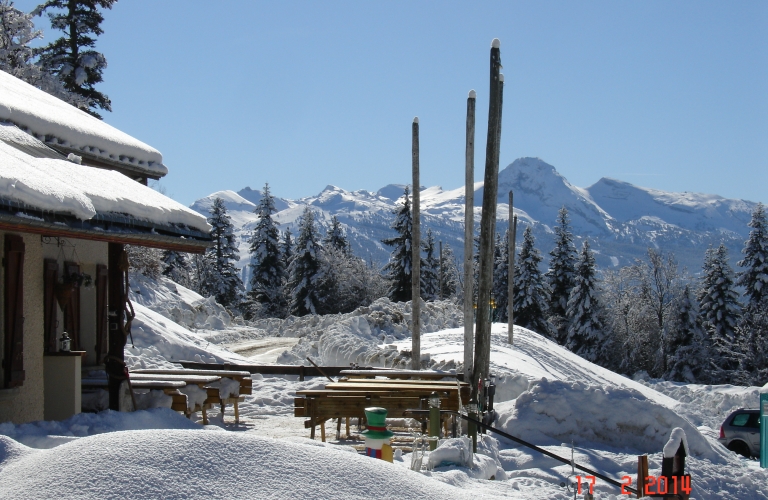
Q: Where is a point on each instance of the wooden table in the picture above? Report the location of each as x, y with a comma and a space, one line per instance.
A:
347, 399
400, 374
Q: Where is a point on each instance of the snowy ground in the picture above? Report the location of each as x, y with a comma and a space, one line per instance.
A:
545, 395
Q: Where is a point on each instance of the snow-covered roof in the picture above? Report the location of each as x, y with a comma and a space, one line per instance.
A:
64, 126
64, 187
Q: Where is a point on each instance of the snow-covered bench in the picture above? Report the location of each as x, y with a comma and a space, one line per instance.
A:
228, 388
168, 388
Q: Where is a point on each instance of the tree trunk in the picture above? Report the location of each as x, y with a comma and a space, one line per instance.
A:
488, 225
415, 253
469, 222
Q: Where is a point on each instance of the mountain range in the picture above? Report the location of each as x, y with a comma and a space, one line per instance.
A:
621, 220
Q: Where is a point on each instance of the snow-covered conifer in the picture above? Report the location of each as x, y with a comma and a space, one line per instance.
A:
586, 331
176, 267
398, 269
430, 269
222, 280
305, 271
286, 248
267, 271
451, 277
754, 277
335, 237
530, 291
687, 343
719, 307
500, 290
562, 266
17, 32
72, 57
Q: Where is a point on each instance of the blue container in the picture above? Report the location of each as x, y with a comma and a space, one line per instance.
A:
764, 430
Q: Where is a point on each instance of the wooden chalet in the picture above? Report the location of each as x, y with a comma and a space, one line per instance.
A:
72, 195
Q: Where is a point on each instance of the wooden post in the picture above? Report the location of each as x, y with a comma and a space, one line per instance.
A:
415, 253
512, 245
440, 281
510, 273
642, 473
469, 222
115, 360
488, 226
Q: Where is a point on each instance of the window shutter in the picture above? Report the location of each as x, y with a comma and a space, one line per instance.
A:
101, 313
50, 278
13, 363
72, 318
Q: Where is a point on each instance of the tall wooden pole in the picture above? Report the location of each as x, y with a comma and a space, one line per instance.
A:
440, 281
512, 245
510, 272
488, 224
416, 253
469, 223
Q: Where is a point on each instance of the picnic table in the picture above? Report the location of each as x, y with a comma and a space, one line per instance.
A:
217, 391
349, 398
400, 374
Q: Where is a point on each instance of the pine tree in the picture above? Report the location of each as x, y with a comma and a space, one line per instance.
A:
335, 237
530, 292
754, 277
430, 269
17, 32
719, 308
586, 330
305, 271
176, 267
687, 343
451, 277
560, 278
267, 271
500, 291
222, 279
72, 57
286, 248
398, 269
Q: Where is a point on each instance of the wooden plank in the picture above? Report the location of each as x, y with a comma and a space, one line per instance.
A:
207, 373
308, 371
191, 379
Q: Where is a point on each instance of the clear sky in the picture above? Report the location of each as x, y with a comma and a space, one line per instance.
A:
665, 94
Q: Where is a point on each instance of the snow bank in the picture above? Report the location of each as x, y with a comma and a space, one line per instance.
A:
356, 337
158, 342
82, 191
48, 434
55, 121
179, 304
180, 464
560, 412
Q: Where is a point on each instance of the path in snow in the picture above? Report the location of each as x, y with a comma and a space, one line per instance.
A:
263, 350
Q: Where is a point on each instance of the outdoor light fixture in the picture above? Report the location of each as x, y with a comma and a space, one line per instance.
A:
434, 400
65, 342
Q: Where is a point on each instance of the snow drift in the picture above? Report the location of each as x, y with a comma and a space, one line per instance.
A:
204, 464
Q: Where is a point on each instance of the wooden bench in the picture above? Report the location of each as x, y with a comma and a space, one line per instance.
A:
201, 381
214, 395
348, 399
170, 388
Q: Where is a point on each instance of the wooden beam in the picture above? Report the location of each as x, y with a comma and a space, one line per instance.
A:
115, 361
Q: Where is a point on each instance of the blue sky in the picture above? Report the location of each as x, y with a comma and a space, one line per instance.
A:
669, 95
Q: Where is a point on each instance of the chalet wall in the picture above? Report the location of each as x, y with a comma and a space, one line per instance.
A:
26, 403
88, 254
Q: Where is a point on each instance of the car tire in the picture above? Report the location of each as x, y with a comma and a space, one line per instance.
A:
740, 447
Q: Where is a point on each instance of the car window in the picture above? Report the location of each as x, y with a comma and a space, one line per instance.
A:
754, 421
740, 420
